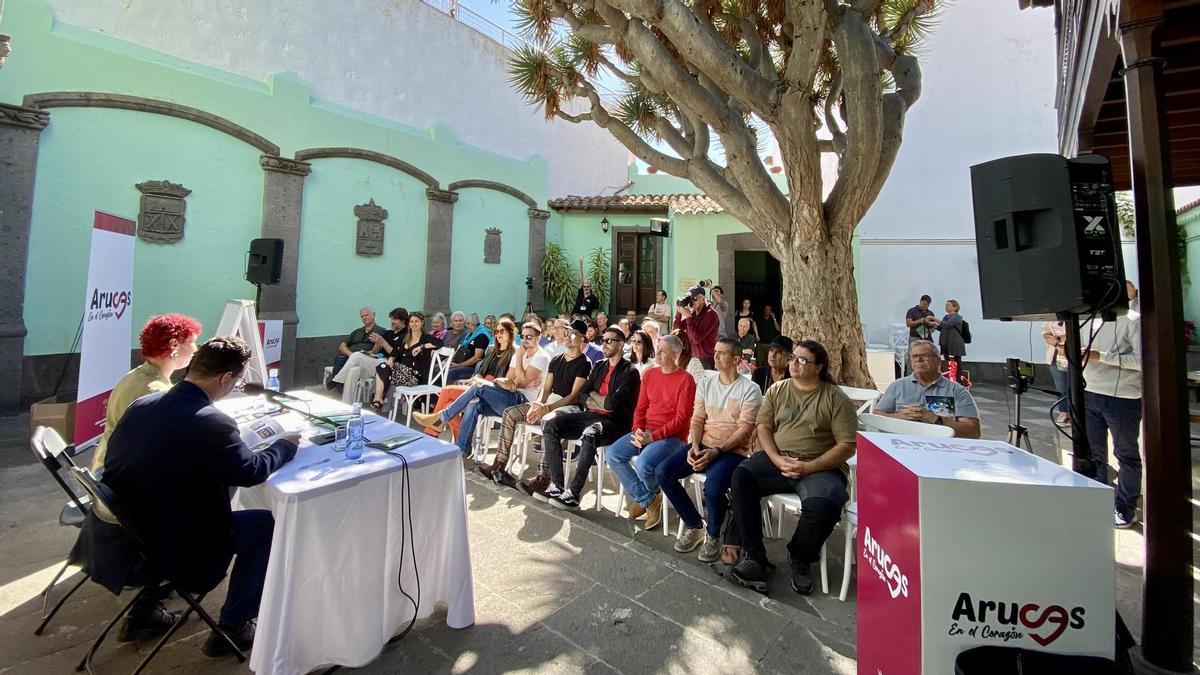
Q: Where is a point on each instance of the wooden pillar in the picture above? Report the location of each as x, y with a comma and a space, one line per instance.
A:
1167, 603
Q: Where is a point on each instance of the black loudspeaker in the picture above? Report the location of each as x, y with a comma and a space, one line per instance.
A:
1047, 237
264, 265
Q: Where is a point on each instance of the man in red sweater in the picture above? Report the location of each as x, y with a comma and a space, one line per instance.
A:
702, 325
660, 429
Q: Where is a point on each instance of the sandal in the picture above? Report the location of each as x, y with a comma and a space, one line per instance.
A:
377, 405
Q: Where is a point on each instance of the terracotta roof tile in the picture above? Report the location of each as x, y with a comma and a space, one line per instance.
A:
679, 203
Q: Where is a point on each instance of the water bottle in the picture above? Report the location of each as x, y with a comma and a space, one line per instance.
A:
354, 448
273, 379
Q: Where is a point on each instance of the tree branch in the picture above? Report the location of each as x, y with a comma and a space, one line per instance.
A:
855, 44
701, 45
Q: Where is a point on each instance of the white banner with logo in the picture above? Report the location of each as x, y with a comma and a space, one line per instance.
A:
271, 333
107, 322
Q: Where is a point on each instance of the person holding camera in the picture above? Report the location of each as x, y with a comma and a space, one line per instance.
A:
930, 397
699, 321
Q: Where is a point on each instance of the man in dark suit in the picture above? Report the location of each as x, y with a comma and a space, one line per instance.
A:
171, 462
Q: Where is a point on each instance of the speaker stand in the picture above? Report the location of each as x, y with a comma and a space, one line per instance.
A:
1081, 450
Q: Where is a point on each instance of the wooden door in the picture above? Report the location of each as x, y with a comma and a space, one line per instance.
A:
638, 275
648, 273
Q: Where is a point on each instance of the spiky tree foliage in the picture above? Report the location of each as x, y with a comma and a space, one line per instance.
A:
825, 76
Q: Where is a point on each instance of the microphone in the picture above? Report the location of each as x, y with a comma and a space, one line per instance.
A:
253, 389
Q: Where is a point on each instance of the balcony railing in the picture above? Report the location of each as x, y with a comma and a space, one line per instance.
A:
488, 28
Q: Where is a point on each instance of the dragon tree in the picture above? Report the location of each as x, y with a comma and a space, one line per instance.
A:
701, 78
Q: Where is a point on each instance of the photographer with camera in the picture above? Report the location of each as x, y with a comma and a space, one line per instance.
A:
928, 396
700, 322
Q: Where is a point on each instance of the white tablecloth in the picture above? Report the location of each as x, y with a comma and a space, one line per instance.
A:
331, 595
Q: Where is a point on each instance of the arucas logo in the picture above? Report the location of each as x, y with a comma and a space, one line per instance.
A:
884, 566
1044, 624
104, 302
953, 446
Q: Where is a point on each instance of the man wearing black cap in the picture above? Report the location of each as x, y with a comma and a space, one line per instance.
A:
608, 398
776, 368
701, 324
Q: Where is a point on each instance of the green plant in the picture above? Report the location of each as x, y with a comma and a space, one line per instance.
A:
558, 277
599, 265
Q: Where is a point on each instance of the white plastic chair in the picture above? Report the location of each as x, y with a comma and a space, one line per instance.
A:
438, 371
888, 425
866, 398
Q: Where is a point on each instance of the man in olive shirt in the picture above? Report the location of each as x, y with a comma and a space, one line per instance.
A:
806, 429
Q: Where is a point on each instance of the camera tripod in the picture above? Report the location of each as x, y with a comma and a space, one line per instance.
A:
1018, 432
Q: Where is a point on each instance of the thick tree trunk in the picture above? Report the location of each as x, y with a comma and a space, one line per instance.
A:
820, 302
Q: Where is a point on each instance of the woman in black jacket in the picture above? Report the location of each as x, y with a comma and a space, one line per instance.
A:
408, 361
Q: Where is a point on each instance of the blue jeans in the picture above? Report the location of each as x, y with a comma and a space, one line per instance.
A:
717, 477
478, 399
460, 373
639, 483
252, 547
1122, 417
1062, 386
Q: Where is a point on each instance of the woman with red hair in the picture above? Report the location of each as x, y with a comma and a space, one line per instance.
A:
168, 342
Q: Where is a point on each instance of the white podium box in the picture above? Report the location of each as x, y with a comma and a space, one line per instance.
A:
964, 543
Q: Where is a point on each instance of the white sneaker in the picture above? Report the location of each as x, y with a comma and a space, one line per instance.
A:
1123, 523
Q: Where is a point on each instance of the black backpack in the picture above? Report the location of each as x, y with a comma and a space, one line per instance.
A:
966, 332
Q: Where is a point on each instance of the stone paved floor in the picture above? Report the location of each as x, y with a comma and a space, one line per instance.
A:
555, 592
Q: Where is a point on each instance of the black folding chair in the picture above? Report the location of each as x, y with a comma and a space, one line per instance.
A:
55, 454
103, 498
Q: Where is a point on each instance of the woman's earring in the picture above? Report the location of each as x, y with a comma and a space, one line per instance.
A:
174, 353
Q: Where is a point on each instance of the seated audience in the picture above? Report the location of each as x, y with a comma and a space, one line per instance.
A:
560, 392
779, 355
626, 327
470, 350
745, 339
608, 398
722, 435
660, 428
686, 360
767, 326
361, 364
631, 317
593, 333
409, 360
489, 323
930, 397
594, 352
522, 380
559, 338
456, 332
651, 328
601, 326
359, 340
806, 429
437, 325
641, 352
168, 342
178, 500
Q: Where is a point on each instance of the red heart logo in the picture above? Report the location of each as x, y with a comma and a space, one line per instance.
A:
1054, 614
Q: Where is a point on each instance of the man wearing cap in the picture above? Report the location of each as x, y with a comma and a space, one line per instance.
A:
608, 398
560, 390
779, 355
701, 324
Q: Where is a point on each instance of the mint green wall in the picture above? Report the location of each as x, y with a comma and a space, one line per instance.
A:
91, 158
108, 151
394, 279
694, 247
482, 287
